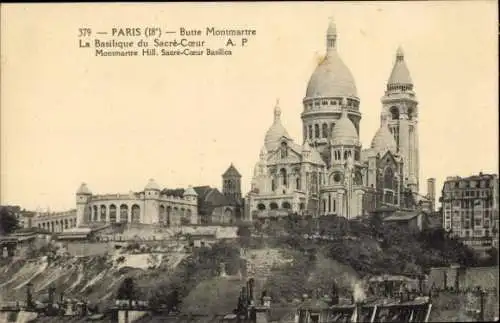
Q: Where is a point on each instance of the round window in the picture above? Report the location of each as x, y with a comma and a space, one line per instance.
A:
337, 177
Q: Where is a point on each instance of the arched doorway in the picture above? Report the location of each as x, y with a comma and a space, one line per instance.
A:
228, 216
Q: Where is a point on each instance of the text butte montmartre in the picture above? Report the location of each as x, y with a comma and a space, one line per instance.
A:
212, 31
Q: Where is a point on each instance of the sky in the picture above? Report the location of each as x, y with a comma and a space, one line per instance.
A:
69, 117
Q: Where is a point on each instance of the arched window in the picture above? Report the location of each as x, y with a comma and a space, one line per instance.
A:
358, 179
389, 178
283, 176
65, 223
124, 213
162, 217
394, 113
284, 150
95, 213
286, 205
297, 182
228, 215
103, 213
345, 154
112, 213
310, 132
261, 206
273, 206
325, 130
314, 182
302, 206
410, 113
316, 131
356, 155
169, 214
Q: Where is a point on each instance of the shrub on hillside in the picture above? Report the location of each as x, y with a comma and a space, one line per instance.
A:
202, 265
378, 247
128, 290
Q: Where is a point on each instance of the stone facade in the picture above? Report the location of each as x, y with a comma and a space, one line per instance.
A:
151, 206
54, 221
330, 173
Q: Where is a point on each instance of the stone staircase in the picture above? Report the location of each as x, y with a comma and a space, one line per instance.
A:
258, 266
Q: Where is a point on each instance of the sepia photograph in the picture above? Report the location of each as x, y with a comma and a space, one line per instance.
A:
249, 162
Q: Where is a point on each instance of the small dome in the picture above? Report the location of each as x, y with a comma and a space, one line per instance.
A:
331, 78
257, 168
400, 73
383, 139
276, 131
83, 189
344, 131
152, 185
190, 191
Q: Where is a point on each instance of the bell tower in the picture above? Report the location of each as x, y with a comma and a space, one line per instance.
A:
231, 183
400, 104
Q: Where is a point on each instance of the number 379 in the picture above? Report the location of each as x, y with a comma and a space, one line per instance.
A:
84, 32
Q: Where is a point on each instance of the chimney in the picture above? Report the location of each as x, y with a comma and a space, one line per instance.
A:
431, 191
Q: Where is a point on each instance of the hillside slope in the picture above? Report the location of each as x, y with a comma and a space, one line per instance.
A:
94, 278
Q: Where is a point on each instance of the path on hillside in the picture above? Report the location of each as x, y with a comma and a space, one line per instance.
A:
259, 263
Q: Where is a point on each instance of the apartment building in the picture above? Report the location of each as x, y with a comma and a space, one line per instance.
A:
470, 209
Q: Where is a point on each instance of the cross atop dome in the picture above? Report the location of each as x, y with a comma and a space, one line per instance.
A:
332, 28
277, 110
331, 36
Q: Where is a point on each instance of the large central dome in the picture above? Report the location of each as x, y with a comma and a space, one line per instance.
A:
332, 78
